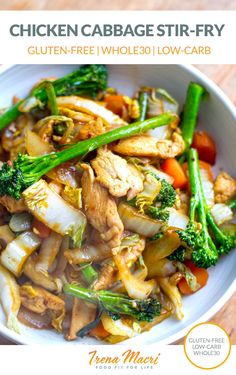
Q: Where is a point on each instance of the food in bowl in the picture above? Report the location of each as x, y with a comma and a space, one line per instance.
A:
109, 211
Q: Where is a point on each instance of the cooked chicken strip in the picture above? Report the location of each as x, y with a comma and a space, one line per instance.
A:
92, 129
224, 187
170, 148
12, 205
101, 209
139, 145
119, 177
145, 145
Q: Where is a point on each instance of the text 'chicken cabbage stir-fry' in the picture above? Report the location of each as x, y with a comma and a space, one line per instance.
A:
109, 209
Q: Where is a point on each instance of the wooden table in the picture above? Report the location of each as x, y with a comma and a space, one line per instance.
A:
223, 75
118, 4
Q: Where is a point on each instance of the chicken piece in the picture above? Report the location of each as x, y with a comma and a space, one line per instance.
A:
12, 205
119, 177
139, 145
224, 187
170, 148
147, 146
39, 300
106, 278
83, 313
101, 209
92, 129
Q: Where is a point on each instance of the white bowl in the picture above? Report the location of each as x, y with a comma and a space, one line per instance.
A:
217, 116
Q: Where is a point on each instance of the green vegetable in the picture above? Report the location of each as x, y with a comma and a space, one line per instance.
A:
190, 112
115, 303
89, 273
232, 204
155, 237
167, 195
26, 170
157, 213
59, 129
51, 98
87, 80
205, 251
178, 254
143, 104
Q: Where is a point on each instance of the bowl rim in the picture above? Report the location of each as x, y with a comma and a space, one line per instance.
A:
174, 338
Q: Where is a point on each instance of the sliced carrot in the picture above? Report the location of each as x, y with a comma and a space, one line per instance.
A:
201, 276
174, 169
115, 103
206, 147
40, 229
99, 331
202, 165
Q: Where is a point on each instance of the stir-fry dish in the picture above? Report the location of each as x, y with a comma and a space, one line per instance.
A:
110, 213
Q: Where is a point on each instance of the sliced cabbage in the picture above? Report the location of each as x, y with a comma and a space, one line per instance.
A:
135, 287
172, 292
138, 222
14, 256
161, 101
48, 207
208, 187
6, 234
35, 146
92, 108
48, 282
160, 248
9, 298
221, 213
162, 268
118, 327
151, 188
48, 252
177, 219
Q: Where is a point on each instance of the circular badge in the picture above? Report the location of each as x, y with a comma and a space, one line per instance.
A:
207, 346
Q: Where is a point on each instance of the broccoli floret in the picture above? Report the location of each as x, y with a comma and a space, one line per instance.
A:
188, 236
167, 195
115, 303
205, 249
158, 214
178, 254
26, 170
